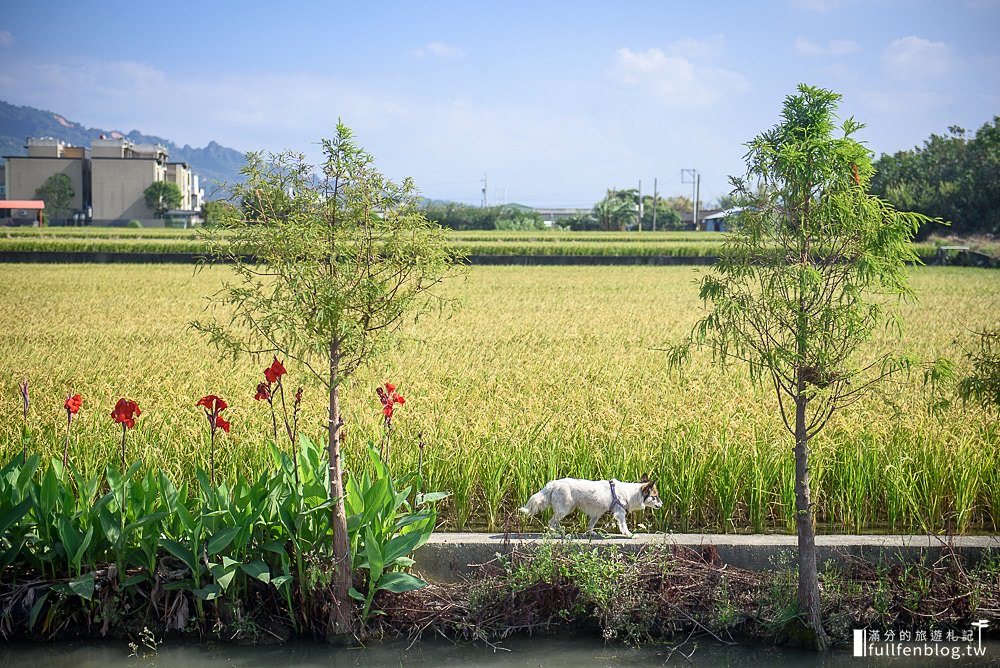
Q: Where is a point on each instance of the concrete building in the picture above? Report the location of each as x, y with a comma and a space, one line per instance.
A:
109, 179
47, 157
121, 171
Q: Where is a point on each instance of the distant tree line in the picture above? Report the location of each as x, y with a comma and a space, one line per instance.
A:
465, 217
954, 177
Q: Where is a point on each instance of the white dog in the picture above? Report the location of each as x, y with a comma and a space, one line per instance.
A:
594, 497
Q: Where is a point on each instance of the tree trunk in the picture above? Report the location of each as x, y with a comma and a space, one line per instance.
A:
339, 628
809, 602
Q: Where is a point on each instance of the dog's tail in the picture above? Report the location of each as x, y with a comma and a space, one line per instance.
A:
537, 503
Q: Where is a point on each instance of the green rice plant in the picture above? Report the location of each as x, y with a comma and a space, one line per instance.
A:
728, 483
853, 484
545, 372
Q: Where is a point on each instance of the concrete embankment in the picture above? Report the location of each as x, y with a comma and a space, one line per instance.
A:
448, 557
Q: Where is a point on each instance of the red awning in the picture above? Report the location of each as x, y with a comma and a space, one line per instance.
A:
21, 204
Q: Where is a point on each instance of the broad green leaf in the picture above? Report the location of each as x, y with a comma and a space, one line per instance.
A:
181, 552
208, 592
145, 520
356, 595
431, 497
221, 539
399, 583
135, 579
36, 609
83, 586
69, 536
257, 570
400, 546
13, 515
110, 525
77, 556
374, 553
281, 582
224, 573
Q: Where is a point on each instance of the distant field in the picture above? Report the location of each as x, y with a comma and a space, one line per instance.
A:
543, 372
488, 242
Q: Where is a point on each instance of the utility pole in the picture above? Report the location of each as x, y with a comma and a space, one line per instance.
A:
695, 178
484, 191
654, 203
639, 209
697, 198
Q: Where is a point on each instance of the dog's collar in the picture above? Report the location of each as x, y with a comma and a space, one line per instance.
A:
615, 501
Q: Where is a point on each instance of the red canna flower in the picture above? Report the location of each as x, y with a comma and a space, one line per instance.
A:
125, 412
275, 371
72, 406
389, 398
73, 403
212, 403
263, 392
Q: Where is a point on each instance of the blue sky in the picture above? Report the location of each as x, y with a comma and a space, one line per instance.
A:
554, 101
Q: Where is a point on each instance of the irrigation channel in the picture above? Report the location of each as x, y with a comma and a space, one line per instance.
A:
579, 652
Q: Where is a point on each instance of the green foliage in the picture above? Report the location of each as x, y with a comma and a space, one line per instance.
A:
63, 527
326, 271
385, 527
345, 259
57, 193
457, 216
667, 217
982, 384
618, 210
215, 211
800, 284
161, 196
134, 224
952, 176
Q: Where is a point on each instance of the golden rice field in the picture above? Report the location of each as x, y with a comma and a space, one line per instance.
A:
542, 372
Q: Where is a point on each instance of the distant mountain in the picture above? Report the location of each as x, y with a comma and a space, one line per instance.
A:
215, 164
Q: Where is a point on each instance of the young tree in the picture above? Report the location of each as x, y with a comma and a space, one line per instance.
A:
161, 196
326, 269
57, 193
809, 271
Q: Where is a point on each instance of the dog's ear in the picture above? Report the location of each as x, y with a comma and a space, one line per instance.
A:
645, 477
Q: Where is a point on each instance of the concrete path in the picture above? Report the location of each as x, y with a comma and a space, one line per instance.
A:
449, 556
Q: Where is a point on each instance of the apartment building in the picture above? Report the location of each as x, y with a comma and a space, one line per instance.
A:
109, 179
46, 157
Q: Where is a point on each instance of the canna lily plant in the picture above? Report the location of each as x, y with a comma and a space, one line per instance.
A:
214, 406
72, 406
389, 398
125, 413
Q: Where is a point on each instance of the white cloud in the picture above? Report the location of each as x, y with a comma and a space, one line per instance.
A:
6, 38
904, 101
916, 58
676, 81
438, 50
702, 49
834, 47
